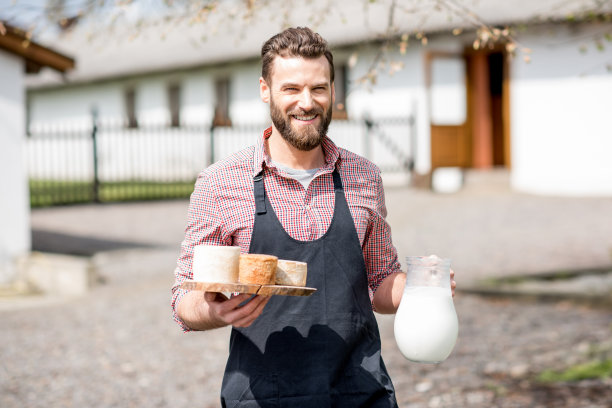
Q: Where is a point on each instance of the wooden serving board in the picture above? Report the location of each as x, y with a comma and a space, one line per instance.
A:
268, 290
264, 290
220, 287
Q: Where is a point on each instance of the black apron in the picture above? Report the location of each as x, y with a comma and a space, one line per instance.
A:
317, 351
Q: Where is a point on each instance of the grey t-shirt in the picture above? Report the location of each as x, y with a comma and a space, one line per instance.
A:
303, 176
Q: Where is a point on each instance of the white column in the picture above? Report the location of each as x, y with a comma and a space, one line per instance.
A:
15, 238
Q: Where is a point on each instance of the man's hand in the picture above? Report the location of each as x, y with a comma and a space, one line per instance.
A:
210, 310
229, 312
389, 294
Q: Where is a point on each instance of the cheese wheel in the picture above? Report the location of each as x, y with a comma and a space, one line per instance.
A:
213, 263
291, 273
257, 269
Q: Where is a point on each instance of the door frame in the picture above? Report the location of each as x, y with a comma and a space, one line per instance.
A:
464, 133
505, 96
449, 144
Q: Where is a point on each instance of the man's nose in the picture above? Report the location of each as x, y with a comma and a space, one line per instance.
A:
305, 101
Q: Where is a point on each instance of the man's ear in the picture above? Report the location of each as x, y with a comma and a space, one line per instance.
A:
264, 90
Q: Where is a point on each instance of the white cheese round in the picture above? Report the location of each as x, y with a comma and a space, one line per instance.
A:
213, 263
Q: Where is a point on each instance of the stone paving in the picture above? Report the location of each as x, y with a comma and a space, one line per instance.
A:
118, 347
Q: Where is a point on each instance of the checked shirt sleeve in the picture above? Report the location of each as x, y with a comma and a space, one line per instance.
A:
204, 226
379, 253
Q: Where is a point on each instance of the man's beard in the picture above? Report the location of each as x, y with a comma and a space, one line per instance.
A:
309, 136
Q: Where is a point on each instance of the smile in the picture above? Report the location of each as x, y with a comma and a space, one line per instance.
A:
304, 118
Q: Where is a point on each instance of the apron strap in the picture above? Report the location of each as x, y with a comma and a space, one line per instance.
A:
260, 193
337, 181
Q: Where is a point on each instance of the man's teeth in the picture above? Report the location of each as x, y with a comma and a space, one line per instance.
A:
304, 117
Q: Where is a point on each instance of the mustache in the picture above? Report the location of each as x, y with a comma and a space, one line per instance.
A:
301, 112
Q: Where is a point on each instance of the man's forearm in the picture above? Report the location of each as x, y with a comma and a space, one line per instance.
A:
193, 311
389, 294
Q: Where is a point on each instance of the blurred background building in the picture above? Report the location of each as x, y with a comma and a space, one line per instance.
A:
418, 89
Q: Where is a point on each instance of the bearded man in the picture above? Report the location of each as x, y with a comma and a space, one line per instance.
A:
298, 196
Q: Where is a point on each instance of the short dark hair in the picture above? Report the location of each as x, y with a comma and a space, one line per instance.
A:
294, 42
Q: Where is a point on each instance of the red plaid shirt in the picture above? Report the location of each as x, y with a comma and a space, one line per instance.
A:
222, 209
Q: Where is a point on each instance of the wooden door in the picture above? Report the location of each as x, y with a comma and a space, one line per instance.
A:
446, 89
488, 107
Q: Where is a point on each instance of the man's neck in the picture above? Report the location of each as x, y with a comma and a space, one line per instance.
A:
282, 152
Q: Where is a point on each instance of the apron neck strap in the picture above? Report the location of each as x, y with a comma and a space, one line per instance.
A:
260, 193
337, 181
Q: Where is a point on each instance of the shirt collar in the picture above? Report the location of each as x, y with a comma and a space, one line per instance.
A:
261, 156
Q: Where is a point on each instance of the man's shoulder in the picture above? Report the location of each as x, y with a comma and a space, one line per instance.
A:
234, 166
354, 162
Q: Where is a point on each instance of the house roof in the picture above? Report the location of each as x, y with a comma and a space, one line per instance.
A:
37, 56
230, 33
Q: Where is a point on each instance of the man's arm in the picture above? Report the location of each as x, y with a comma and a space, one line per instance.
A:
197, 310
389, 294
385, 278
381, 259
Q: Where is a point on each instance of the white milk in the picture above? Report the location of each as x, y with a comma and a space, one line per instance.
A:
426, 325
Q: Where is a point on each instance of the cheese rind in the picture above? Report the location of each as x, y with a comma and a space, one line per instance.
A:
291, 273
214, 263
257, 269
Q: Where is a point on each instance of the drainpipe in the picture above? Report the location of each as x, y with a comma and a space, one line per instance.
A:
367, 135
94, 140
211, 146
413, 137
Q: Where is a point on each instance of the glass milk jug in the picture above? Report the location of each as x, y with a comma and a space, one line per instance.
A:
426, 325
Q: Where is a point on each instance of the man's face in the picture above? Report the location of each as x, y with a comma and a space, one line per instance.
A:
301, 99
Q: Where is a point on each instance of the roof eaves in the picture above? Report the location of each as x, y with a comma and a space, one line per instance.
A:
16, 41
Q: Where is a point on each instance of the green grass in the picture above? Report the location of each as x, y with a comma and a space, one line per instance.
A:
47, 192
593, 370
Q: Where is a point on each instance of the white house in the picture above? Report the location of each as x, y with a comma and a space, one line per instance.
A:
476, 107
18, 56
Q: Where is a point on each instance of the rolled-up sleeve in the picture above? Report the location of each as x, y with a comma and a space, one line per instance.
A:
204, 226
379, 253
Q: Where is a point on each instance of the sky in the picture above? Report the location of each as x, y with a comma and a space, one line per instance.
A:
30, 14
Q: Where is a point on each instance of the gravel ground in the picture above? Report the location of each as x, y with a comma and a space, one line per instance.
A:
118, 347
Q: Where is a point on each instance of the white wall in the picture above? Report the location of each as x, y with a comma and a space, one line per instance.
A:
247, 107
561, 124
396, 96
402, 93
560, 134
73, 104
14, 198
561, 131
197, 99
